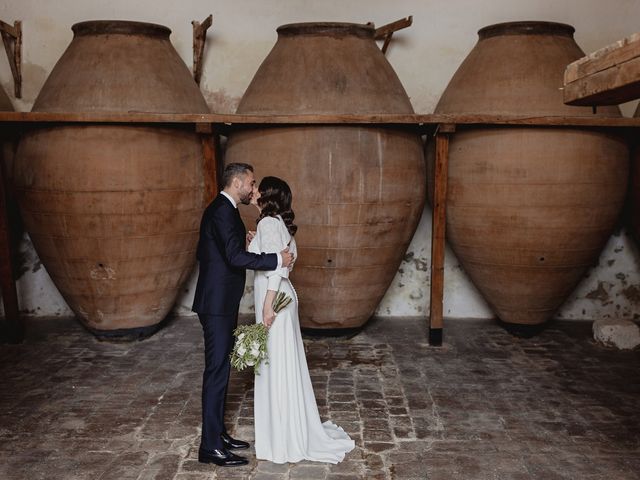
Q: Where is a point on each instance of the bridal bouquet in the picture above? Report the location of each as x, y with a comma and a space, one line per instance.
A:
250, 348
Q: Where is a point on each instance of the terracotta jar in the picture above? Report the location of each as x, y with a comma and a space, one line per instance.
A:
8, 141
635, 188
358, 191
6, 144
528, 208
6, 149
114, 209
5, 103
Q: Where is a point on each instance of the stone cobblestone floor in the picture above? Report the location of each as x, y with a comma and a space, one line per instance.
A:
484, 406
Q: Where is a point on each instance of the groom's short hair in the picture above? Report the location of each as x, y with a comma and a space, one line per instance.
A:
233, 170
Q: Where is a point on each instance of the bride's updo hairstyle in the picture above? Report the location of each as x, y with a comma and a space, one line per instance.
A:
275, 199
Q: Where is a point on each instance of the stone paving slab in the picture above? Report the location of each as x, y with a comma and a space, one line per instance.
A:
485, 405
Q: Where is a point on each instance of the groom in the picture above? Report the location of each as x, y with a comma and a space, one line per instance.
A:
223, 260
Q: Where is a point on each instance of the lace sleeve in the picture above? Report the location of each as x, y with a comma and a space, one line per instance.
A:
272, 236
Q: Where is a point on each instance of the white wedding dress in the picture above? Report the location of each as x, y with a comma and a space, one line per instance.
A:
287, 422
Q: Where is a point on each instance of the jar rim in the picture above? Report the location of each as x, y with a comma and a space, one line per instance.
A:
126, 27
328, 28
526, 28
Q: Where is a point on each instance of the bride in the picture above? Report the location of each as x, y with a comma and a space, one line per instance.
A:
287, 422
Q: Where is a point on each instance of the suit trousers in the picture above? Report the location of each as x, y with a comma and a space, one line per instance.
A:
218, 342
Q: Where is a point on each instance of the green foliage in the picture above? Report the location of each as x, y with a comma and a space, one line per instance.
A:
250, 349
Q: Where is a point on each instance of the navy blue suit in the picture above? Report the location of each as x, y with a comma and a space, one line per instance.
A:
223, 262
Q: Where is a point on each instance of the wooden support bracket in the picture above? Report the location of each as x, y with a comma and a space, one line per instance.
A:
12, 39
385, 32
199, 38
439, 220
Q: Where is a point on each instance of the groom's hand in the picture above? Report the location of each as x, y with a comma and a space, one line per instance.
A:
250, 235
287, 257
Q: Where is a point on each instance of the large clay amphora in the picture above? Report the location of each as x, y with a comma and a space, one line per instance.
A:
113, 209
528, 208
634, 193
6, 144
6, 150
5, 102
10, 225
358, 192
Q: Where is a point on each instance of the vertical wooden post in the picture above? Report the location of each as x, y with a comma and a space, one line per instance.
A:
210, 150
14, 326
438, 233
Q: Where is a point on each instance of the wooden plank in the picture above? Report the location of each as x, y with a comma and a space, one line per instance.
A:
111, 117
142, 117
608, 76
607, 57
438, 234
612, 86
227, 120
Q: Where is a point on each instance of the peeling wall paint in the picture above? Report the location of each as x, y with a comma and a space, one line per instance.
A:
221, 102
611, 288
424, 56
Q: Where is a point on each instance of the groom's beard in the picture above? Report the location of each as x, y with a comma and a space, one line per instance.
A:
245, 198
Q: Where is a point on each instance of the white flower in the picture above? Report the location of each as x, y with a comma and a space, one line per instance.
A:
250, 347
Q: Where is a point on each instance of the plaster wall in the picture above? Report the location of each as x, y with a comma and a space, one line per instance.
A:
425, 57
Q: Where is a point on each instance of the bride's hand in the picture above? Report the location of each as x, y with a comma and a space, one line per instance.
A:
268, 316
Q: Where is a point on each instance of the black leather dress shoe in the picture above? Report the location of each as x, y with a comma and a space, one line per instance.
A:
222, 458
230, 443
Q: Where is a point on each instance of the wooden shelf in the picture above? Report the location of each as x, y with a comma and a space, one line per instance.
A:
608, 76
229, 120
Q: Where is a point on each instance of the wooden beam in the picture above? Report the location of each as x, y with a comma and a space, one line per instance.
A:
222, 120
438, 234
608, 76
199, 39
12, 40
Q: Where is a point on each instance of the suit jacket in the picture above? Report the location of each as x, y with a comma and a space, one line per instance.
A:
223, 260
